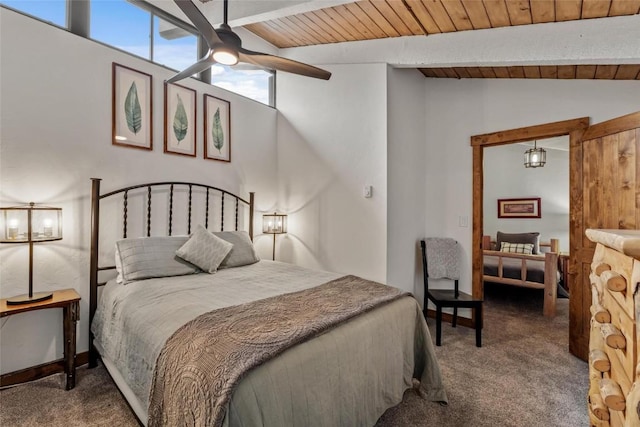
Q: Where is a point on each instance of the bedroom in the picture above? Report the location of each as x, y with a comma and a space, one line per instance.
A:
283, 155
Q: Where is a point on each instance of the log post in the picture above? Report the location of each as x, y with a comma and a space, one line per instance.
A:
598, 408
599, 360
612, 394
600, 267
615, 282
598, 312
613, 337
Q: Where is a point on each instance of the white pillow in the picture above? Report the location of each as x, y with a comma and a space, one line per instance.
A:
147, 257
518, 248
243, 252
204, 250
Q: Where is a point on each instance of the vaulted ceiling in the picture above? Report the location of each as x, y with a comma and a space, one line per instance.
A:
383, 19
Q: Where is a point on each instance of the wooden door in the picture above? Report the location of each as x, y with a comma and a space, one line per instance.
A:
605, 193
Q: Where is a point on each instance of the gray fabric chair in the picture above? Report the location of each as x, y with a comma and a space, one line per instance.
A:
441, 258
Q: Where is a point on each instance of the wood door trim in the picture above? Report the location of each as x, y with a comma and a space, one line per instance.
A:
574, 128
617, 125
547, 130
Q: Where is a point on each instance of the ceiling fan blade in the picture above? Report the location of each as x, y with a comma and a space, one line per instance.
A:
199, 66
282, 64
199, 21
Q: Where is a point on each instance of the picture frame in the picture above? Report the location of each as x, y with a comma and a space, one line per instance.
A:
217, 129
519, 208
131, 111
180, 120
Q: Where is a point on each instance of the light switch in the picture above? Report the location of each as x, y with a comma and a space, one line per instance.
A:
463, 221
368, 191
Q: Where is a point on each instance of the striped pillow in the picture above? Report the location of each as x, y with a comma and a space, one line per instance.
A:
518, 248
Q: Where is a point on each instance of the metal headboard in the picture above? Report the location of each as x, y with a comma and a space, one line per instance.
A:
172, 187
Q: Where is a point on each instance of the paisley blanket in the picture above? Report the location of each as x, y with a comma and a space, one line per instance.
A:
203, 361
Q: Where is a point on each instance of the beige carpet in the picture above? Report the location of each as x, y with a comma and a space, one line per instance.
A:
522, 376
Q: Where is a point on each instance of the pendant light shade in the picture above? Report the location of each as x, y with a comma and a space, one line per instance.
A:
535, 157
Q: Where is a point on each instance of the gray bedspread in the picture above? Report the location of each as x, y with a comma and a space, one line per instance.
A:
345, 377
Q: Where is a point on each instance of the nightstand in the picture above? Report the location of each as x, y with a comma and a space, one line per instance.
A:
68, 300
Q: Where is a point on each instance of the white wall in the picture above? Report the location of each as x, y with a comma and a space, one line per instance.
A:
55, 126
506, 177
459, 109
405, 179
332, 141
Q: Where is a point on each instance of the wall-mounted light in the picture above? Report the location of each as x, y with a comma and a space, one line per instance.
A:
535, 157
274, 224
30, 224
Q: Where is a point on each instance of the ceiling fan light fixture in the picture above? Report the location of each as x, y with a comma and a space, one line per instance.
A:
535, 157
225, 56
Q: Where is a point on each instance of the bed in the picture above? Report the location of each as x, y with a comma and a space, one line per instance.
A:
519, 259
352, 351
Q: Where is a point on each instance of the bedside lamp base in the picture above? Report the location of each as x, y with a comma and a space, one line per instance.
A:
26, 299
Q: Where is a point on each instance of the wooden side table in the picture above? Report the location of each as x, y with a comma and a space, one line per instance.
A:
69, 301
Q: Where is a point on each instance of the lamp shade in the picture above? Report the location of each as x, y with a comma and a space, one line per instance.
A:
30, 223
274, 223
535, 157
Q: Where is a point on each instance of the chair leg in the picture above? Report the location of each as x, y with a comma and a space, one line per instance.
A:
438, 325
478, 313
454, 321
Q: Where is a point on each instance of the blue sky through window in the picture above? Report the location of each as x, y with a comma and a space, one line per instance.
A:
54, 11
123, 25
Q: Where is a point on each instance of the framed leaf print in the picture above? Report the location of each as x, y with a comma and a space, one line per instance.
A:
217, 129
131, 108
179, 120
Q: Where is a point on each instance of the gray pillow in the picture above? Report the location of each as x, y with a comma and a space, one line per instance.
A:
533, 237
243, 252
204, 250
147, 257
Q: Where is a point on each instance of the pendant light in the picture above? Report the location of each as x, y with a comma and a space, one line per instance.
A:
535, 157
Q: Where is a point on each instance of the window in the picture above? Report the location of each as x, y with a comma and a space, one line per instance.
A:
147, 31
54, 11
123, 25
245, 80
173, 46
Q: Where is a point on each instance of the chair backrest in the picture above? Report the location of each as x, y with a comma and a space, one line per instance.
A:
425, 269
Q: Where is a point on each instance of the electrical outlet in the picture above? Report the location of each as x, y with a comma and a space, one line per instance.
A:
368, 191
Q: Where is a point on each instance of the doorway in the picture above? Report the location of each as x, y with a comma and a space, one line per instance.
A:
571, 128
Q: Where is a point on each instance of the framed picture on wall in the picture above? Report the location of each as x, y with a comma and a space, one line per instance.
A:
519, 208
131, 108
217, 129
179, 120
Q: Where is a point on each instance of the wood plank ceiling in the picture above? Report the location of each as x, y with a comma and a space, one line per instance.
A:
376, 19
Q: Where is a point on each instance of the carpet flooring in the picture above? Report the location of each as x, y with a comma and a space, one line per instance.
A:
522, 376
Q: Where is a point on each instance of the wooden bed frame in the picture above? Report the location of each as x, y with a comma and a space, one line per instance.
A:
550, 259
170, 188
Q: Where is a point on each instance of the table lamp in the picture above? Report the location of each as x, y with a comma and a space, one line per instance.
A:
30, 224
274, 224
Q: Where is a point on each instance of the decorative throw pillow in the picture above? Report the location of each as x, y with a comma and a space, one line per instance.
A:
243, 252
518, 248
147, 257
533, 237
204, 250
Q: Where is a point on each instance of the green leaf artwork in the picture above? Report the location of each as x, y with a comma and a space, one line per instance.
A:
132, 110
216, 132
180, 121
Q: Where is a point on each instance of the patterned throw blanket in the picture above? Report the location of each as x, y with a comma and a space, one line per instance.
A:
203, 361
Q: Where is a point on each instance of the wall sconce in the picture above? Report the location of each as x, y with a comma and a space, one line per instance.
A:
30, 224
274, 224
535, 157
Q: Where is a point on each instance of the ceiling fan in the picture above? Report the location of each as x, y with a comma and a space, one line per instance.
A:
225, 47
